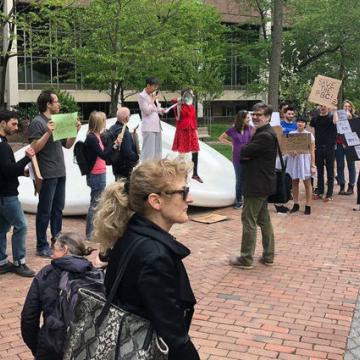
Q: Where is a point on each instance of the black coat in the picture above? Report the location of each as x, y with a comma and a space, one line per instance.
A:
10, 170
258, 158
126, 158
156, 285
41, 298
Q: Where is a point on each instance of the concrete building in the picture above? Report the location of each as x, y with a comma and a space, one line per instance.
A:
27, 75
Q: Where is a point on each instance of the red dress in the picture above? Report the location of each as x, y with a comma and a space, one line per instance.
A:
186, 139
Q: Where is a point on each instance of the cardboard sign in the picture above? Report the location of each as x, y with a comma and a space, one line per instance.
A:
297, 142
325, 91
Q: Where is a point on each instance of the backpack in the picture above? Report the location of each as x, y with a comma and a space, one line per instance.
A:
80, 158
58, 322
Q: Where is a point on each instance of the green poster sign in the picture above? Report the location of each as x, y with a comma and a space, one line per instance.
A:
65, 125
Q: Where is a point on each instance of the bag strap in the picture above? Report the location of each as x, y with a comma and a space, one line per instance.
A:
283, 167
124, 260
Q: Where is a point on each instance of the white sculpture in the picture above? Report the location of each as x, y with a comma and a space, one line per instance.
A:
218, 189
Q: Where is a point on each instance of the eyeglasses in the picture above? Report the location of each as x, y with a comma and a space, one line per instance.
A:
257, 114
184, 192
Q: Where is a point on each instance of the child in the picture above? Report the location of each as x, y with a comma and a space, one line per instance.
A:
302, 167
240, 134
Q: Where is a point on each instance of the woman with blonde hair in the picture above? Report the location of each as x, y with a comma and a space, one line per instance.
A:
155, 284
348, 106
96, 154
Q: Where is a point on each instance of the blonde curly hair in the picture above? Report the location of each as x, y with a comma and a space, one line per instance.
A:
121, 199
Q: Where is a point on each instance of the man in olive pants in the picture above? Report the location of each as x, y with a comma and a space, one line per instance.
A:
259, 181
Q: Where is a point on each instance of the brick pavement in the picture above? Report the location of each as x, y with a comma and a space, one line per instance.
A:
301, 308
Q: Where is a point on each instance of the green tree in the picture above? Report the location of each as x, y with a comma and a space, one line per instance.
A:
118, 43
322, 38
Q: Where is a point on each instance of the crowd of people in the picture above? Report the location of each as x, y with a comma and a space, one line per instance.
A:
151, 194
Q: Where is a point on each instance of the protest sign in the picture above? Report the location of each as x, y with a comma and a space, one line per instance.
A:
325, 91
35, 175
296, 143
342, 115
343, 127
351, 139
65, 125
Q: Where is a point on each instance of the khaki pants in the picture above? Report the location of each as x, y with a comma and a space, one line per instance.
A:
255, 212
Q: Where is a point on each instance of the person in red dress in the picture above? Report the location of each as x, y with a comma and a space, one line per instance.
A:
186, 138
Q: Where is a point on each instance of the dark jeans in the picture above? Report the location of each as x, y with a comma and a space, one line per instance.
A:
12, 214
50, 208
340, 166
238, 186
325, 157
255, 212
97, 184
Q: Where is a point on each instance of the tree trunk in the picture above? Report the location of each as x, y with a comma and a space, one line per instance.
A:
2, 85
115, 91
276, 47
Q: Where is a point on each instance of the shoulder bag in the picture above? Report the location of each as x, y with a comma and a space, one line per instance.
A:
103, 331
283, 182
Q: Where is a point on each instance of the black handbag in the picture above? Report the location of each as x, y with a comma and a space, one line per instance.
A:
103, 331
283, 182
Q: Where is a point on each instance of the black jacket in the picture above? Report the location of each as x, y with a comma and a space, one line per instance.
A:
10, 170
258, 158
126, 158
93, 149
156, 285
41, 298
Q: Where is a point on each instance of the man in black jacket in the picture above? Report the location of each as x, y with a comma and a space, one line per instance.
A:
125, 157
11, 212
258, 158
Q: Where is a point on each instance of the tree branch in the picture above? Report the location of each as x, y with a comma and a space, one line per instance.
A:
315, 57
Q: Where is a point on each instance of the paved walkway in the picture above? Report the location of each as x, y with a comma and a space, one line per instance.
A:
302, 308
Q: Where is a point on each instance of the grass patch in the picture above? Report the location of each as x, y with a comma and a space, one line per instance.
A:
216, 130
223, 149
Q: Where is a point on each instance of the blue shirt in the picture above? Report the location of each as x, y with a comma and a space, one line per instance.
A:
287, 127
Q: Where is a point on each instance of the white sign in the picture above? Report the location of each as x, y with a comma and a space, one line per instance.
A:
275, 119
352, 139
343, 127
342, 115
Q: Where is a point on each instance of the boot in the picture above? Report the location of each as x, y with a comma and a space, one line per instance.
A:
350, 190
307, 210
295, 208
342, 189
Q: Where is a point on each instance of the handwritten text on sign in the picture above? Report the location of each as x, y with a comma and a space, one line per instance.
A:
325, 91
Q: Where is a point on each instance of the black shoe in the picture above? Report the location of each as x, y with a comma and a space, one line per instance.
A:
342, 189
7, 268
307, 210
45, 253
282, 209
238, 205
295, 208
237, 261
350, 190
266, 262
24, 270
